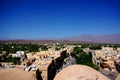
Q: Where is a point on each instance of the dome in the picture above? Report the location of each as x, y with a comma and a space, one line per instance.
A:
79, 72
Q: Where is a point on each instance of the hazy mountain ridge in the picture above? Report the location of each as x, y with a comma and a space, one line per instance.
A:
109, 38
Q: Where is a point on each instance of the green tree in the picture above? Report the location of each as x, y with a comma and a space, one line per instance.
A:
83, 58
95, 47
43, 47
76, 52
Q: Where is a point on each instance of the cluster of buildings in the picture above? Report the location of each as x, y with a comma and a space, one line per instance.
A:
50, 62
107, 58
42, 60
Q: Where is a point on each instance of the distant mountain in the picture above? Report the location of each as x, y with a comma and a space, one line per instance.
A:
89, 38
113, 38
40, 42
109, 38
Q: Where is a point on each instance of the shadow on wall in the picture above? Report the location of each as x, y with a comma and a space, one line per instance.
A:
56, 64
38, 75
117, 65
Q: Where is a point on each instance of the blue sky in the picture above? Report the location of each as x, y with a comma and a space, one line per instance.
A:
36, 19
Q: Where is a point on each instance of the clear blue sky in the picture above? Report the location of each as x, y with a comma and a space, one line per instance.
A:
35, 19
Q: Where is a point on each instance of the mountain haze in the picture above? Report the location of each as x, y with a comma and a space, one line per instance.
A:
108, 38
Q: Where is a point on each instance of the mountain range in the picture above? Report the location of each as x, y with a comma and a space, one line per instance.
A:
108, 38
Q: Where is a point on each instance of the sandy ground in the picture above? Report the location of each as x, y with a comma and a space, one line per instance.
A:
15, 74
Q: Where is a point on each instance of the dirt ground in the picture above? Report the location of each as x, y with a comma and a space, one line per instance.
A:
15, 74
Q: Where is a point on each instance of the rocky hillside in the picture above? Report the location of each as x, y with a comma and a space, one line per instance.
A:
110, 38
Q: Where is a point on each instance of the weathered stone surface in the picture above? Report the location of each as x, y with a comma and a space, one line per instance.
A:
79, 72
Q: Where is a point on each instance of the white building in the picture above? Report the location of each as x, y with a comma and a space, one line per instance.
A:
18, 54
